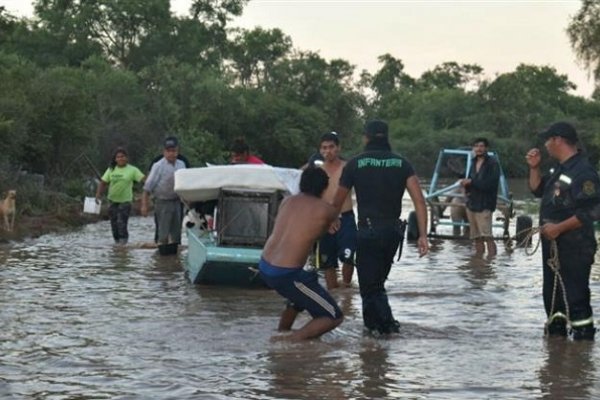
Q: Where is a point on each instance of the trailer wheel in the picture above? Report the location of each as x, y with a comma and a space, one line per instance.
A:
524, 224
412, 230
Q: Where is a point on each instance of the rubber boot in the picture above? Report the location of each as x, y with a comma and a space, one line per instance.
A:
585, 332
556, 328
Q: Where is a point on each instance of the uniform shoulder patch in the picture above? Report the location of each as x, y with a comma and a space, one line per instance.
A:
589, 188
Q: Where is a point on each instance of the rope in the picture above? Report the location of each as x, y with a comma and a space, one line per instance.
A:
529, 232
554, 264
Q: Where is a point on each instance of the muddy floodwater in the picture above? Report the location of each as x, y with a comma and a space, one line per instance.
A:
83, 319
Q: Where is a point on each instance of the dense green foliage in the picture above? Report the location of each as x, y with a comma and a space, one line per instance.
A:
584, 33
85, 77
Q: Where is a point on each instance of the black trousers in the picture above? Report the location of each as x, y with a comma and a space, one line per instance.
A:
375, 252
576, 251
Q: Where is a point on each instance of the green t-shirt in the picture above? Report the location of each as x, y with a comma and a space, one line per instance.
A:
120, 181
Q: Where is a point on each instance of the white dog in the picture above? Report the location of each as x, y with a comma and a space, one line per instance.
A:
192, 220
8, 209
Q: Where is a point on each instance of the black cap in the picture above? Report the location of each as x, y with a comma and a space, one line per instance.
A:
376, 129
171, 142
330, 137
562, 129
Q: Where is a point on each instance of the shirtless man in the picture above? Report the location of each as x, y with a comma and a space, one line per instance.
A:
341, 243
301, 220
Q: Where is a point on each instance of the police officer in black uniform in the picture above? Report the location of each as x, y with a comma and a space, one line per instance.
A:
379, 178
570, 203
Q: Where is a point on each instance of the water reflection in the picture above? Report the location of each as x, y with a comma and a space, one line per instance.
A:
478, 270
375, 371
300, 371
569, 370
119, 257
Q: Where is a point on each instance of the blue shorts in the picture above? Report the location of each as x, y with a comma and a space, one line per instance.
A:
340, 245
301, 288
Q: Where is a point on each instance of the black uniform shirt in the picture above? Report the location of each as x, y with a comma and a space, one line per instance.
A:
379, 180
573, 188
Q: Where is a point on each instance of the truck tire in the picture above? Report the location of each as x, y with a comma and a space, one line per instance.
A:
412, 230
524, 224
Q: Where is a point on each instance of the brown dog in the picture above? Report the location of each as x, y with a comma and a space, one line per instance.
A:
8, 209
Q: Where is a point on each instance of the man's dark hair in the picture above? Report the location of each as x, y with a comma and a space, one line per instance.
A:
240, 146
314, 181
330, 137
481, 140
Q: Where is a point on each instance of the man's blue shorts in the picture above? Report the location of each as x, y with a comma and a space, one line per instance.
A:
301, 288
340, 245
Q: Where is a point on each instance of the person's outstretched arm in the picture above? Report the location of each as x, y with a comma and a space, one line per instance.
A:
414, 190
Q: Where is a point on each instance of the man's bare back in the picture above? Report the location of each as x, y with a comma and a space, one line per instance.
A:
301, 220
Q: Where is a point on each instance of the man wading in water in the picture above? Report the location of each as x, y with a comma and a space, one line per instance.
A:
301, 220
481, 188
340, 244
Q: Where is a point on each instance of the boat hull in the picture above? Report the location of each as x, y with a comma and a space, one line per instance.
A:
210, 264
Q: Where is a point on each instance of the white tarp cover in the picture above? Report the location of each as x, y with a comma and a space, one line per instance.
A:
201, 184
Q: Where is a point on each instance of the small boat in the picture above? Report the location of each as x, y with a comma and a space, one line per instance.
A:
233, 208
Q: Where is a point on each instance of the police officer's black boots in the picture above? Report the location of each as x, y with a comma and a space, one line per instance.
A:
556, 328
585, 332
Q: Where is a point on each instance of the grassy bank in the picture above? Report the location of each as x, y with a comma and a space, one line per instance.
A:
29, 226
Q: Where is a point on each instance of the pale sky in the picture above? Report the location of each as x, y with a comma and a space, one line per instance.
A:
497, 35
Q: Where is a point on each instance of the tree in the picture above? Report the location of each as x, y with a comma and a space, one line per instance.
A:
390, 76
60, 125
584, 34
119, 111
520, 102
443, 109
451, 75
32, 40
311, 81
255, 52
16, 76
216, 13
117, 26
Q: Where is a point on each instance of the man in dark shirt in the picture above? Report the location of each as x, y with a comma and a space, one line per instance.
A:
570, 204
481, 188
379, 178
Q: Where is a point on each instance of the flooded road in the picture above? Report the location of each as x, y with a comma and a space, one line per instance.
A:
83, 319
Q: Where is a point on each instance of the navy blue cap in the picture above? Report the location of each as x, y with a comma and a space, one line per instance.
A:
171, 142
